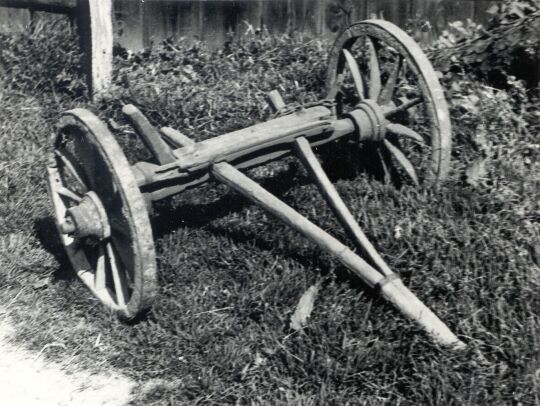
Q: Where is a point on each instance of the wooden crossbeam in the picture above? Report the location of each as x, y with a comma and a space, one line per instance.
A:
51, 6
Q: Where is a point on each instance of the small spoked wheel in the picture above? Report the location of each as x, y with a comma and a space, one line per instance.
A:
379, 77
101, 215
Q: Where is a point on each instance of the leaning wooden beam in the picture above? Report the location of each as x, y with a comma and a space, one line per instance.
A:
391, 287
340, 209
232, 177
149, 135
51, 6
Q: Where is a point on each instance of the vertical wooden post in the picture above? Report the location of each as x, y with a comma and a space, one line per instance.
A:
94, 19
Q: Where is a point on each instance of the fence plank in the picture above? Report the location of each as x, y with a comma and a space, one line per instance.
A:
128, 19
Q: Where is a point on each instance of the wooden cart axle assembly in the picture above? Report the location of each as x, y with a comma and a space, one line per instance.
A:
391, 98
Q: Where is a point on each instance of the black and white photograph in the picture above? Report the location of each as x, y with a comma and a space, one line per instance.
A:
269, 202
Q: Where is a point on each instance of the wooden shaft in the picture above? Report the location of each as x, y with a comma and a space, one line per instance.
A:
392, 288
52, 6
232, 177
149, 135
337, 204
402, 298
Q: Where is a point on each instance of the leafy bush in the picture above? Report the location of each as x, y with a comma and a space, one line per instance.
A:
205, 92
46, 56
509, 45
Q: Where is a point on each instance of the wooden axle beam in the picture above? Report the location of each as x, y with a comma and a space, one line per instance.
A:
227, 147
246, 148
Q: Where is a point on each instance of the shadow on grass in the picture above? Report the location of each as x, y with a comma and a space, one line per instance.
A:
196, 214
47, 234
341, 162
315, 260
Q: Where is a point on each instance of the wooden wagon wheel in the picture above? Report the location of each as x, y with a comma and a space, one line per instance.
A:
377, 66
101, 215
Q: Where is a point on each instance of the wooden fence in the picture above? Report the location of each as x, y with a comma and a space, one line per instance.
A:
139, 23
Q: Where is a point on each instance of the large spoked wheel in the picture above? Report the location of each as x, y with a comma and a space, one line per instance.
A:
378, 72
101, 215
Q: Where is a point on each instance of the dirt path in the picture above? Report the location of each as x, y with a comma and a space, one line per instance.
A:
27, 380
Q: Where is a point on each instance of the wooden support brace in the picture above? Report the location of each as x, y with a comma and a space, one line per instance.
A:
340, 209
394, 291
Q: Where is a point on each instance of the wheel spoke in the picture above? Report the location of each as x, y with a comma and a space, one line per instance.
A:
387, 176
402, 107
402, 160
121, 237
336, 87
119, 282
386, 94
374, 71
355, 72
68, 164
403, 131
100, 277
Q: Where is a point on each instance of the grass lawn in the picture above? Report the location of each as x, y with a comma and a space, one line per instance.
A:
230, 276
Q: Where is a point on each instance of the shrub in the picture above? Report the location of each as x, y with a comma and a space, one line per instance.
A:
45, 57
204, 92
510, 45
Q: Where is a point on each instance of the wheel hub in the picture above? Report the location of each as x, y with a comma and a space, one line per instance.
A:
369, 121
87, 219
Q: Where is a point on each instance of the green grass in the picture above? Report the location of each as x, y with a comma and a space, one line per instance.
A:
230, 276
